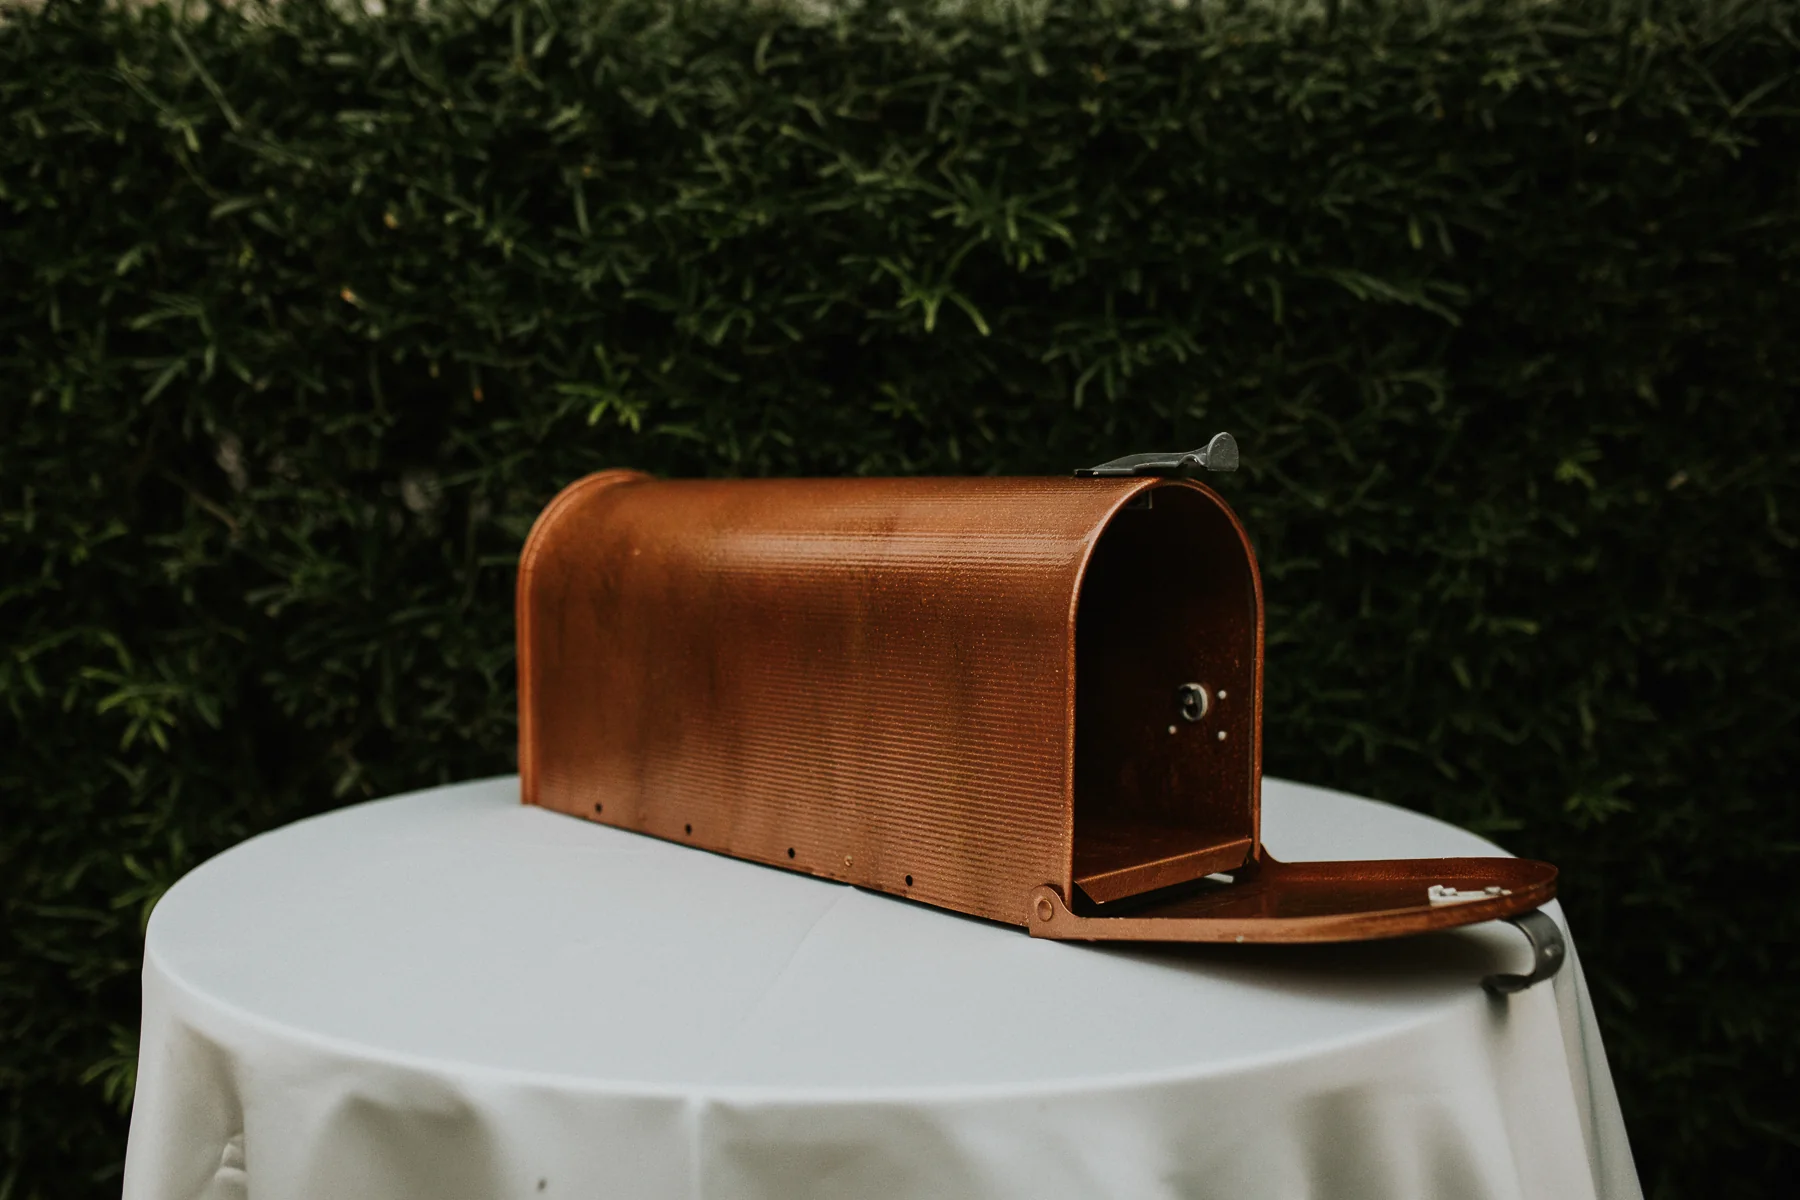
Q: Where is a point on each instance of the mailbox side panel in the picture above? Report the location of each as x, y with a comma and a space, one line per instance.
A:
867, 680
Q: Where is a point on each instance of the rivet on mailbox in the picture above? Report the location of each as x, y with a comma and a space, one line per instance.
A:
967, 681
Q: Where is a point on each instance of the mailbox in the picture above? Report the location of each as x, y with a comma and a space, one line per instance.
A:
1037, 701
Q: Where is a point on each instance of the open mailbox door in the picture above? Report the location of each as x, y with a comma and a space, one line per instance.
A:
1033, 700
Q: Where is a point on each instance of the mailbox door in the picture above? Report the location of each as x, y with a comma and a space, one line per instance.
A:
1271, 901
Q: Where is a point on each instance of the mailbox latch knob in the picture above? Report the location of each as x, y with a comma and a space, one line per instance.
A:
1193, 701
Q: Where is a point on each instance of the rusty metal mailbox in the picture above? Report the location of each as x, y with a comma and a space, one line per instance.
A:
1037, 701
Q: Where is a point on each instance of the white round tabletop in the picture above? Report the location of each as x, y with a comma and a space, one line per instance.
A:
448, 994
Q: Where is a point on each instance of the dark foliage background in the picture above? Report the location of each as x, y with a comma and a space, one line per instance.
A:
303, 316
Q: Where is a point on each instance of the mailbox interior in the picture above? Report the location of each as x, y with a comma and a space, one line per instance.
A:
1164, 796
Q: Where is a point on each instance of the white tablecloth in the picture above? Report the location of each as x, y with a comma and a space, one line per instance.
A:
447, 995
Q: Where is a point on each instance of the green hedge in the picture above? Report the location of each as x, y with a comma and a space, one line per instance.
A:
304, 315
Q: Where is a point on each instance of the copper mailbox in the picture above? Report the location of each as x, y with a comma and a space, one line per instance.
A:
1032, 700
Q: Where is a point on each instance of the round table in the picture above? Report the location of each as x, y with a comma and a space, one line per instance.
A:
447, 995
